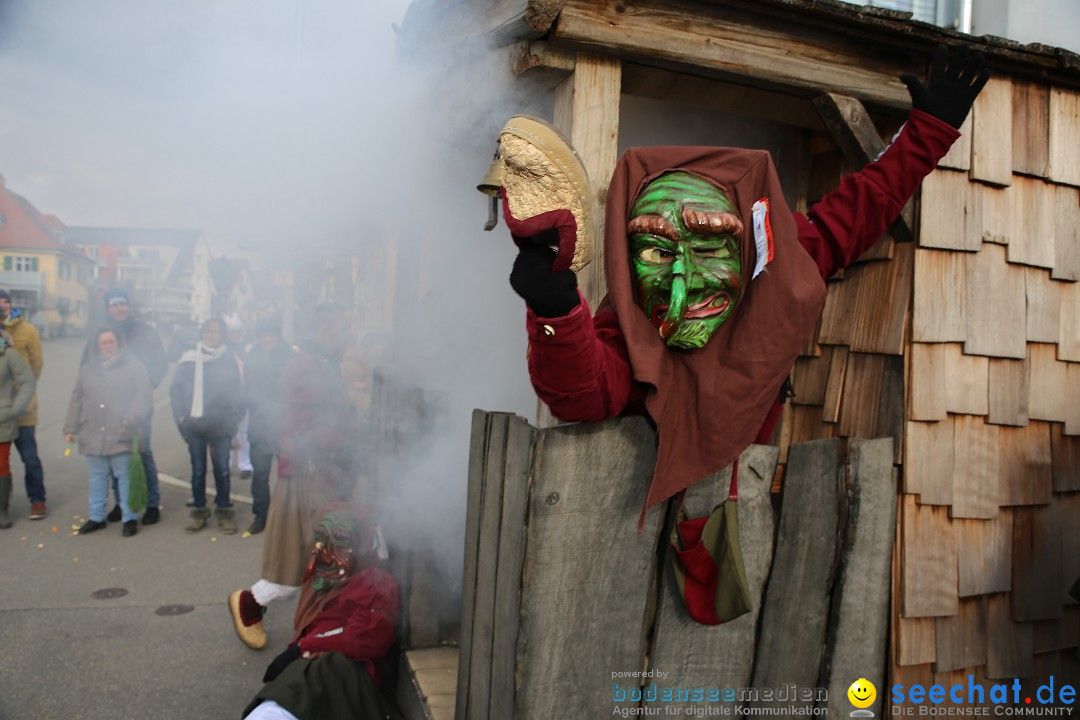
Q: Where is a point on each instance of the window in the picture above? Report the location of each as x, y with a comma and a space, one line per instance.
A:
20, 263
65, 270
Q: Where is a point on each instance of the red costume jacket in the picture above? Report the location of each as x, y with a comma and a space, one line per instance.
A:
579, 364
359, 622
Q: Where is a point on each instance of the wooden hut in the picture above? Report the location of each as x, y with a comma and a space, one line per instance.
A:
958, 335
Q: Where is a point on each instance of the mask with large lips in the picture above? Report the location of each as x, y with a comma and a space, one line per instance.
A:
337, 550
685, 245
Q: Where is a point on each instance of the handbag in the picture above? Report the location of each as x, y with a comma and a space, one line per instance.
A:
137, 493
708, 563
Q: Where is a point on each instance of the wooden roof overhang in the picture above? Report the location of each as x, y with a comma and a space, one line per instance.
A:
797, 47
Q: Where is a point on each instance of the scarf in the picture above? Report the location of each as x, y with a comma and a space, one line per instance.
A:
199, 356
709, 403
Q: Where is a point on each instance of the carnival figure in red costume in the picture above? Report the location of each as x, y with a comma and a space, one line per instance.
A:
714, 285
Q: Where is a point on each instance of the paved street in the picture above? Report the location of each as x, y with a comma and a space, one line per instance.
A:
65, 653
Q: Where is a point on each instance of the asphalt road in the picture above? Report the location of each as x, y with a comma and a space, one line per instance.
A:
165, 648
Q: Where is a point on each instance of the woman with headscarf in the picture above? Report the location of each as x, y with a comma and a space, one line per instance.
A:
207, 403
344, 625
111, 397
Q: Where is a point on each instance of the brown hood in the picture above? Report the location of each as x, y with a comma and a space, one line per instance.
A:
709, 403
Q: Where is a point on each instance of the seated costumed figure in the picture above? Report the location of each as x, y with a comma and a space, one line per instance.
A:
714, 285
345, 624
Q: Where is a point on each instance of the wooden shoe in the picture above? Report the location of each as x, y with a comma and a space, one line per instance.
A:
254, 635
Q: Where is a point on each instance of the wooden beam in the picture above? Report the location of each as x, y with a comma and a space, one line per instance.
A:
850, 125
587, 111
727, 42
508, 21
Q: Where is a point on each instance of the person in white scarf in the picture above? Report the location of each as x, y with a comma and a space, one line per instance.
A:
208, 402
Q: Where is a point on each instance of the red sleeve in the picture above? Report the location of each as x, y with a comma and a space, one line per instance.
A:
369, 610
579, 365
848, 220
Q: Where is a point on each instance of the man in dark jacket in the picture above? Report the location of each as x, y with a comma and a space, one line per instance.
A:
143, 343
263, 367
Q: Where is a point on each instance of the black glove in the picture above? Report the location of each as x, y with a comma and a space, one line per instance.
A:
949, 91
549, 294
281, 662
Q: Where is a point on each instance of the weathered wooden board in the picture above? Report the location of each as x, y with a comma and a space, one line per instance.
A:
927, 380
588, 487
1064, 153
859, 627
929, 580
1030, 127
720, 655
1069, 325
984, 555
961, 638
809, 378
1058, 634
991, 133
994, 305
947, 212
882, 327
587, 111
487, 463
1065, 458
938, 312
928, 471
834, 385
510, 20
802, 569
724, 41
837, 316
851, 127
1032, 216
993, 208
1009, 645
976, 466
1026, 465
1008, 392
915, 642
1036, 564
959, 155
1066, 234
1047, 380
1067, 508
520, 437
861, 402
1043, 306
967, 379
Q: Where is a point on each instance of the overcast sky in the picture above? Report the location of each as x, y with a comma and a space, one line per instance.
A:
245, 118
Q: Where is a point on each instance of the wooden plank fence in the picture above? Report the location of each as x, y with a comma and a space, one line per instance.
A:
562, 592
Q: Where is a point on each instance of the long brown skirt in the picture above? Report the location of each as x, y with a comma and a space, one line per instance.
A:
290, 528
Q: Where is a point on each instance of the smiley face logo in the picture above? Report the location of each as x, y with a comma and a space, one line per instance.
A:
862, 693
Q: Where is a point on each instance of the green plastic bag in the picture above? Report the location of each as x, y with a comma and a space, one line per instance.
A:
137, 494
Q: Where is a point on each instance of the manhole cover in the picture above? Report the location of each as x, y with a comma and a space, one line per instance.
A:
109, 593
174, 609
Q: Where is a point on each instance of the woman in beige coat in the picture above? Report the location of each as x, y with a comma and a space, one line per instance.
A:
17, 388
111, 396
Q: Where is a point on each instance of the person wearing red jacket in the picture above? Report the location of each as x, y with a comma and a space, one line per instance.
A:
714, 285
345, 624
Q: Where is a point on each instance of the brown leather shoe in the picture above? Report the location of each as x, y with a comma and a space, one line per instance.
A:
38, 511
